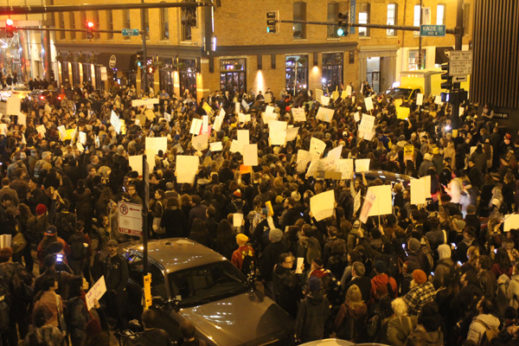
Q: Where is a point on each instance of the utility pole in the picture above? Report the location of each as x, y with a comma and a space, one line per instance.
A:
144, 33
458, 42
420, 57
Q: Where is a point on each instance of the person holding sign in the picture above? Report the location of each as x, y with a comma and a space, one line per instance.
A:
115, 270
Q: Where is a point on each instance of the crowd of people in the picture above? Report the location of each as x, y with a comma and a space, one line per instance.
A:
441, 273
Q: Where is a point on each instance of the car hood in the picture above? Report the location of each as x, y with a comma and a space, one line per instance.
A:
243, 319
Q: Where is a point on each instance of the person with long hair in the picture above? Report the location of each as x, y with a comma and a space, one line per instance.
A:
351, 318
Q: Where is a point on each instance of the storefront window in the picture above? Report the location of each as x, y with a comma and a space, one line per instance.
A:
233, 75
332, 76
296, 73
413, 60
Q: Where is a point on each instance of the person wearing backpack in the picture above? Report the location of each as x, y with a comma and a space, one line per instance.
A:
243, 256
485, 326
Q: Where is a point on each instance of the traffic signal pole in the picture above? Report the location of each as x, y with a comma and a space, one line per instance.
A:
144, 33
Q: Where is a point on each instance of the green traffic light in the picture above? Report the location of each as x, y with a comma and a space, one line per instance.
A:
340, 32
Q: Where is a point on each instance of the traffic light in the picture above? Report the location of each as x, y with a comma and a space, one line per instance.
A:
272, 22
90, 30
342, 24
447, 84
9, 27
150, 69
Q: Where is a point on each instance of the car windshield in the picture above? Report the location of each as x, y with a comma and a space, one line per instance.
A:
399, 92
207, 283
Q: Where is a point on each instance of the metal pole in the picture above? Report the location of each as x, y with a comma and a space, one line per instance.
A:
145, 174
420, 38
458, 41
144, 33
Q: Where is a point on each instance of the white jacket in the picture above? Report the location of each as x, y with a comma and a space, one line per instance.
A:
480, 324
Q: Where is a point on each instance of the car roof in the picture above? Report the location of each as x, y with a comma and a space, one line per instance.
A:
175, 254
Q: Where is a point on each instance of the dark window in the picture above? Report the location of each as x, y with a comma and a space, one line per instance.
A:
83, 24
72, 20
164, 24
110, 23
333, 11
61, 21
299, 29
96, 25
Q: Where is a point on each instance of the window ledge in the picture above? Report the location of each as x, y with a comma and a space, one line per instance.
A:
364, 37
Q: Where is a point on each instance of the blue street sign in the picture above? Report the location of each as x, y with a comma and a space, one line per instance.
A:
432, 30
130, 32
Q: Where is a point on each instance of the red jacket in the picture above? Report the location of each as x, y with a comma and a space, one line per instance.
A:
239, 254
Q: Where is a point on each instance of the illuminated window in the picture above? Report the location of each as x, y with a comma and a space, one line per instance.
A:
440, 14
391, 18
364, 15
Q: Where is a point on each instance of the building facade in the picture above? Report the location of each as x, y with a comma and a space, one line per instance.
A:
227, 46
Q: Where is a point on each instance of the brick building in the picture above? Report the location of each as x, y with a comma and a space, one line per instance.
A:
228, 47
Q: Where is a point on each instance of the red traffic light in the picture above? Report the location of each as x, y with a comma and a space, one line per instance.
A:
9, 28
42, 97
9, 22
90, 25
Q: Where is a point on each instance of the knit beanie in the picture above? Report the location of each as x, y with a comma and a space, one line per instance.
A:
419, 276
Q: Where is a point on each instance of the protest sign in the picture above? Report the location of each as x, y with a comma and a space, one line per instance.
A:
135, 162
345, 166
196, 126
322, 205
95, 293
292, 133
82, 138
235, 146
243, 137
250, 154
438, 100
186, 168
218, 122
269, 110
207, 109
419, 99
145, 102
325, 100
382, 204
201, 142
362, 165
152, 147
267, 118
277, 132
318, 94
511, 222
237, 220
205, 124
366, 127
115, 122
41, 130
369, 103
216, 146
303, 157
317, 147
402, 112
325, 114
244, 118
22, 119
298, 114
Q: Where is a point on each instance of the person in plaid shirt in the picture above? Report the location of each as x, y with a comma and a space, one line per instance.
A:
421, 292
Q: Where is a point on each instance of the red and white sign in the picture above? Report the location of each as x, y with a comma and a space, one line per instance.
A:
129, 218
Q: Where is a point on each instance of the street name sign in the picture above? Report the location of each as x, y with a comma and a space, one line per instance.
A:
432, 30
130, 32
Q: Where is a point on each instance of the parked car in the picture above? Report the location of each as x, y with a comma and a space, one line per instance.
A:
193, 282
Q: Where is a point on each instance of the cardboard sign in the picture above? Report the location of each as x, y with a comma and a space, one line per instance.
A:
82, 138
366, 127
298, 114
325, 100
135, 162
277, 132
420, 190
322, 205
215, 146
218, 121
292, 133
115, 122
269, 110
41, 130
511, 222
205, 124
267, 118
369, 103
419, 99
318, 94
243, 136
201, 142
145, 102
303, 157
382, 204
438, 100
345, 166
186, 168
317, 147
244, 118
402, 112
250, 155
237, 220
196, 126
95, 293
362, 165
348, 90
152, 147
325, 114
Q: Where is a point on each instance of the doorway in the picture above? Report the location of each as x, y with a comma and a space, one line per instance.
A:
373, 72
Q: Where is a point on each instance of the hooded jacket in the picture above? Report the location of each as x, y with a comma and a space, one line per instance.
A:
311, 317
480, 324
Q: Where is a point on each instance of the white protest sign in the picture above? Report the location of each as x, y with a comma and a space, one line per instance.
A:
417, 192
216, 146
148, 113
366, 127
12, 106
218, 123
356, 117
348, 90
244, 118
292, 133
152, 147
3, 129
325, 114
235, 146
82, 138
41, 130
221, 113
237, 108
438, 100
115, 122
303, 157
362, 165
318, 94
196, 126
300, 265
269, 110
62, 132
267, 118
268, 98
382, 204
345, 166
186, 168
335, 154
366, 207
325, 100
250, 154
369, 103
511, 222
419, 99
95, 293
243, 136
135, 162
277, 132
298, 114
245, 105
322, 205
22, 119
145, 102
205, 124
317, 147
237, 220
201, 142
80, 147
129, 218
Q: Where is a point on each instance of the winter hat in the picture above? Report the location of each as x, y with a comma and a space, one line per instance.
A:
241, 238
413, 245
41, 209
314, 284
51, 231
275, 235
444, 251
419, 276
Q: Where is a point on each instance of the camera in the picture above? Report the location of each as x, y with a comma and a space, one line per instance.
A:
59, 258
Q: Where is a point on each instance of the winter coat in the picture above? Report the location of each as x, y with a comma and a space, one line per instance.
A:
176, 223
286, 288
77, 318
350, 322
480, 324
311, 317
399, 328
270, 258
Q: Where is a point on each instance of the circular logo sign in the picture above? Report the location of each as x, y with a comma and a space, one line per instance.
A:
123, 209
